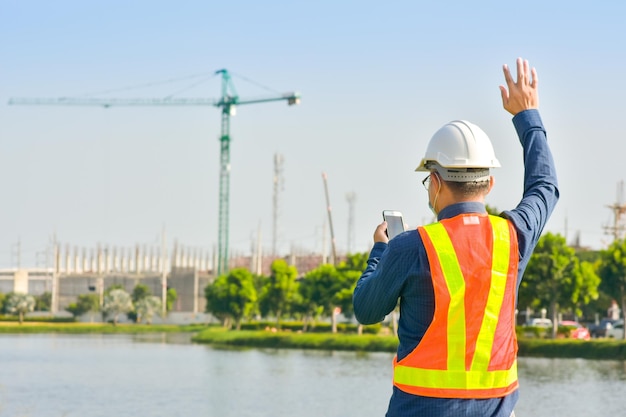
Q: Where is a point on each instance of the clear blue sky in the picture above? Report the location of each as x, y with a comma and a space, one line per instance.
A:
376, 78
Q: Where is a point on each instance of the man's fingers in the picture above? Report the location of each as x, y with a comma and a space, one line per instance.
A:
526, 71
535, 80
521, 75
507, 75
505, 95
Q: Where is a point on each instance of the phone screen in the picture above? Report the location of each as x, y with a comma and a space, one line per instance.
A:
395, 224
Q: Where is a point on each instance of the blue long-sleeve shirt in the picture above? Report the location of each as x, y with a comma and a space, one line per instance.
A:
400, 270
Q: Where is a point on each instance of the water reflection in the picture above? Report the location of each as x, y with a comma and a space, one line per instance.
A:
571, 387
166, 375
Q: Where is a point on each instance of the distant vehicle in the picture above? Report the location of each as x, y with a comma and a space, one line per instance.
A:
600, 329
538, 322
617, 330
578, 331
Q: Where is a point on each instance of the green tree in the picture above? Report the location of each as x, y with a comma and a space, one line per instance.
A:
354, 262
555, 277
140, 292
492, 210
587, 285
19, 304
114, 287
320, 289
343, 298
351, 270
85, 303
232, 297
43, 301
612, 270
117, 302
280, 290
170, 298
3, 298
147, 307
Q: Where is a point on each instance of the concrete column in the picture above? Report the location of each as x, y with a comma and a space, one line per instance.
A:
154, 261
84, 260
185, 257
76, 263
195, 290
173, 263
107, 260
123, 260
54, 301
137, 259
114, 260
68, 259
146, 263
99, 262
93, 261
20, 281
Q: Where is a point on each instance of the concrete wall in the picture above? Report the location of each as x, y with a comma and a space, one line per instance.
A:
188, 283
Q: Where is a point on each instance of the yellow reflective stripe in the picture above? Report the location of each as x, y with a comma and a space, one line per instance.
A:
499, 272
462, 380
456, 287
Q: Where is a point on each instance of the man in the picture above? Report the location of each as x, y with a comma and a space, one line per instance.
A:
613, 311
457, 279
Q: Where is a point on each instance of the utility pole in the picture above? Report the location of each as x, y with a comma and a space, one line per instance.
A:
279, 185
164, 275
17, 252
619, 209
54, 298
330, 219
258, 266
351, 197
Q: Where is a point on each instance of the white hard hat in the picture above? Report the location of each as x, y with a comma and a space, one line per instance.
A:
460, 151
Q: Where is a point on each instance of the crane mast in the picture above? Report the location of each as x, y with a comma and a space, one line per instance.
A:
227, 102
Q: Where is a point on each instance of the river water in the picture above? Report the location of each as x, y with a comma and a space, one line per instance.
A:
165, 375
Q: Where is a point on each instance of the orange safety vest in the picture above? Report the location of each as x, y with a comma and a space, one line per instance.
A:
470, 348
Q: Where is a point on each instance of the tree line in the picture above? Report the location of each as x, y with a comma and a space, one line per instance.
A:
558, 278
322, 292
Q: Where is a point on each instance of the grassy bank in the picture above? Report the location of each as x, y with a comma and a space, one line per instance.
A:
547, 348
568, 348
326, 341
559, 348
84, 328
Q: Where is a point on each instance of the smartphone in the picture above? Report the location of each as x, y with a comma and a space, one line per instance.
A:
395, 223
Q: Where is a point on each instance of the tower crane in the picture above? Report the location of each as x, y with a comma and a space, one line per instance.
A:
227, 103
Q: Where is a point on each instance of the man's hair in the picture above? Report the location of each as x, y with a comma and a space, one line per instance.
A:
468, 189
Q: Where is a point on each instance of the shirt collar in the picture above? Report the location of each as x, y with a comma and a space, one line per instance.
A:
460, 208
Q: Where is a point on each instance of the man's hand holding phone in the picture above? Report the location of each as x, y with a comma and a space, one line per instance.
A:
380, 234
394, 223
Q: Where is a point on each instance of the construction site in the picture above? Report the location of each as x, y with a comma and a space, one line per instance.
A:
68, 271
187, 271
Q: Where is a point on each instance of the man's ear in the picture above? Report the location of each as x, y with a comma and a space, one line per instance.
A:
492, 182
439, 182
